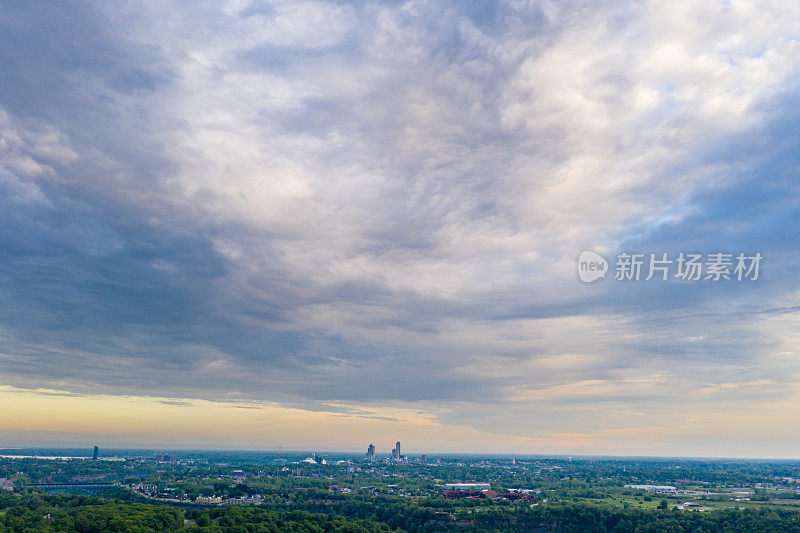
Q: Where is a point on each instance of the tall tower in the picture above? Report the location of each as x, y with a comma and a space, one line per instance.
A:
95, 453
397, 450
370, 452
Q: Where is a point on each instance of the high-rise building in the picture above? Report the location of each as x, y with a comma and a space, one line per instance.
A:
396, 452
95, 453
370, 452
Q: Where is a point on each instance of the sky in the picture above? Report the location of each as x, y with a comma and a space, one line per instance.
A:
317, 225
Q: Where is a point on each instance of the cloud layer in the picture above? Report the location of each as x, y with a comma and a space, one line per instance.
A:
361, 206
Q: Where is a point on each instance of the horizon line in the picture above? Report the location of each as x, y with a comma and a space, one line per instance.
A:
415, 452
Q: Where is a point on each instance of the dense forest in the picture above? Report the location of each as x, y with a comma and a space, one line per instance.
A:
82, 514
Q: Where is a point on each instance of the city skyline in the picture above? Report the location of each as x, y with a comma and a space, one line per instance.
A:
466, 226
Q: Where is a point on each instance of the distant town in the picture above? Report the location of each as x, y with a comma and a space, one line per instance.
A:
422, 492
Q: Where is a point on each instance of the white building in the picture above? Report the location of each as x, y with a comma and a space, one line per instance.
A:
467, 486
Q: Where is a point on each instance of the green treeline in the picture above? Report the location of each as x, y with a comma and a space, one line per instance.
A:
81, 514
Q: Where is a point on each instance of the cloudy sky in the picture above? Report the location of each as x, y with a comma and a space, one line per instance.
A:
323, 224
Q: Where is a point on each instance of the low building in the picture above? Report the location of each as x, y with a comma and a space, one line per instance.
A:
472, 494
208, 499
661, 489
467, 486
514, 496
459, 494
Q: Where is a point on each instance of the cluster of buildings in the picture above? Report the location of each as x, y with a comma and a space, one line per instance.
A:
157, 457
147, 488
659, 489
255, 499
396, 453
477, 491
315, 459
396, 456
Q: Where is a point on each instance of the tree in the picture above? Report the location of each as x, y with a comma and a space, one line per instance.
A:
203, 520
